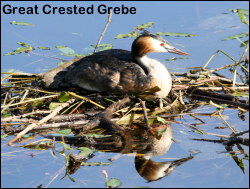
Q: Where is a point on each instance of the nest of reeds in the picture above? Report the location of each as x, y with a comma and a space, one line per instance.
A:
29, 108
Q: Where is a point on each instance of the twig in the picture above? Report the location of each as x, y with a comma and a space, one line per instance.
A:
224, 67
221, 101
84, 125
9, 104
44, 120
86, 99
206, 64
205, 80
105, 121
24, 95
38, 54
244, 53
25, 115
78, 105
104, 30
227, 124
145, 113
31, 100
241, 133
184, 87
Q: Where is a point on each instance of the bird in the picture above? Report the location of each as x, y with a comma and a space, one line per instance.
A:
119, 71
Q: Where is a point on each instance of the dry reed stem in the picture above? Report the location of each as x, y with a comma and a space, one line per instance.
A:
44, 120
31, 100
86, 99
104, 30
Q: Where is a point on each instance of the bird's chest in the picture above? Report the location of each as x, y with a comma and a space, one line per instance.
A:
161, 78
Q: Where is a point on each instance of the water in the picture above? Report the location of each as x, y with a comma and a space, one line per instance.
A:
210, 168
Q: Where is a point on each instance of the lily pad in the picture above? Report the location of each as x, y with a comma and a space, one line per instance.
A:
113, 183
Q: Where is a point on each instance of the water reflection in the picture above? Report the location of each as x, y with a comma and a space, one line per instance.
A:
146, 144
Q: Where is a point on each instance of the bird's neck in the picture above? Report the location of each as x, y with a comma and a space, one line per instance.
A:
144, 62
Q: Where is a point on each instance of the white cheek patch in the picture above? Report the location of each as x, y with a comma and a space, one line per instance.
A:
157, 45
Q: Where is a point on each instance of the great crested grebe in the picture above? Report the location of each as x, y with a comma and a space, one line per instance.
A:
121, 71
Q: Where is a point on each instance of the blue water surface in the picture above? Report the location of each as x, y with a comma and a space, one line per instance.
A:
211, 22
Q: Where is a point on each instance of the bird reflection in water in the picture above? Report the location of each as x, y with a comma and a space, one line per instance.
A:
146, 144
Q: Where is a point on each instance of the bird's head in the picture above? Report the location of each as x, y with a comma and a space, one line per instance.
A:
148, 42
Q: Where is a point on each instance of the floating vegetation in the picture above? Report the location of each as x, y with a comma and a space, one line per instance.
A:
175, 34
175, 58
145, 26
21, 23
102, 47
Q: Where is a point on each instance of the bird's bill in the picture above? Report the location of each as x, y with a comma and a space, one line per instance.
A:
177, 51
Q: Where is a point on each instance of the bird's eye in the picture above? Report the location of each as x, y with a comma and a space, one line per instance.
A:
162, 44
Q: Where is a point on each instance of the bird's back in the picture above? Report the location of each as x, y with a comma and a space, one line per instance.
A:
111, 70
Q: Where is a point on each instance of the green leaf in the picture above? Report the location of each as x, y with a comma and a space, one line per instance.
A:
241, 11
21, 23
65, 49
43, 48
21, 50
113, 183
110, 100
247, 158
131, 34
103, 47
54, 105
175, 34
237, 36
145, 25
243, 15
66, 147
71, 178
4, 136
245, 43
6, 114
85, 152
243, 18
10, 53
119, 36
23, 44
160, 119
64, 132
64, 97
